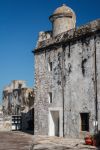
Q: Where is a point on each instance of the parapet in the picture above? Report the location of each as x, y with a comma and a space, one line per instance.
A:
73, 34
43, 36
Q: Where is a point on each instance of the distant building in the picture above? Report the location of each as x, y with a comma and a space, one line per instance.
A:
67, 73
19, 100
1, 117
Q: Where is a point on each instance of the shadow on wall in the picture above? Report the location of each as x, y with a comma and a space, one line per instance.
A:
97, 139
28, 121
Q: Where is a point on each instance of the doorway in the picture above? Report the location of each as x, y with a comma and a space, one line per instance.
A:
54, 123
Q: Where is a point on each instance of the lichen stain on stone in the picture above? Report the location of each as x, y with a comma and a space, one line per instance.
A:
59, 82
69, 68
83, 66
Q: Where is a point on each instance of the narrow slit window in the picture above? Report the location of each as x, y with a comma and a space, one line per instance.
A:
84, 121
50, 97
50, 66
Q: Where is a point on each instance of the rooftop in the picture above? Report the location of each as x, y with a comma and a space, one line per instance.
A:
72, 34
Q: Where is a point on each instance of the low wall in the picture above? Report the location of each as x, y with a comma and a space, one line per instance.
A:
5, 123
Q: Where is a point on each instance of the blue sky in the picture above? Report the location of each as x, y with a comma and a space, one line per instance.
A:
20, 22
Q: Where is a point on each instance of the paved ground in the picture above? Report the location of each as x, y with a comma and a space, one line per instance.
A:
23, 141
58, 143
15, 141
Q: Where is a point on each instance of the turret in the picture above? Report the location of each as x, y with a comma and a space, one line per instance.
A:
63, 19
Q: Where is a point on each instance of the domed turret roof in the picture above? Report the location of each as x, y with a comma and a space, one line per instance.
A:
64, 10
63, 19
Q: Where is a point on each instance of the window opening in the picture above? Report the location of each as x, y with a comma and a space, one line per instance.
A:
50, 66
50, 97
84, 121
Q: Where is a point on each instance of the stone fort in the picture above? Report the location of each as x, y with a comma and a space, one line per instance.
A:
67, 77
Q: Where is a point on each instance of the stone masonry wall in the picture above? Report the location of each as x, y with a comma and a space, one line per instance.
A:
79, 86
41, 104
97, 42
72, 83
